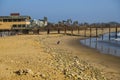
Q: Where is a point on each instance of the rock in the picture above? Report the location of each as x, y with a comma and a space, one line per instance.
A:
24, 72
70, 66
37, 74
43, 76
29, 71
19, 72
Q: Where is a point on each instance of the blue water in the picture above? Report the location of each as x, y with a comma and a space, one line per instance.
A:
104, 45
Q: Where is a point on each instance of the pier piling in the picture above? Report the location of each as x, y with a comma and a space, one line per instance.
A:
90, 32
48, 31
109, 32
96, 31
85, 32
102, 32
116, 31
78, 30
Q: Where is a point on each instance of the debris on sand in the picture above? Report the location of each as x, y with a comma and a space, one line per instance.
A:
24, 72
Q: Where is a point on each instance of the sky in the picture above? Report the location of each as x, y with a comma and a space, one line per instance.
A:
90, 11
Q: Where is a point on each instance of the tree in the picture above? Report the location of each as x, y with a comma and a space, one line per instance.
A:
69, 22
75, 23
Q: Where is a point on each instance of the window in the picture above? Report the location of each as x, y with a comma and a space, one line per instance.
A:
14, 25
19, 25
4, 20
27, 25
14, 20
19, 20
23, 25
22, 19
9, 20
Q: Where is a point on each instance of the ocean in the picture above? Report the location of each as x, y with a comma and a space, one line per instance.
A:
103, 44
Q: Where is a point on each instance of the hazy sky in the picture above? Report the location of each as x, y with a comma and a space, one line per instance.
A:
81, 10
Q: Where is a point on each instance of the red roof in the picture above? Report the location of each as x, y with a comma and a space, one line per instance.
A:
15, 14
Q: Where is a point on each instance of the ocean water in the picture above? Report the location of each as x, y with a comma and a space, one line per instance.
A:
104, 45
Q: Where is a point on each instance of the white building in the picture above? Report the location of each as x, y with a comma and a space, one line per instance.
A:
40, 23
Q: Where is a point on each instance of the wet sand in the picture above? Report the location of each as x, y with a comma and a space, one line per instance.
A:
109, 64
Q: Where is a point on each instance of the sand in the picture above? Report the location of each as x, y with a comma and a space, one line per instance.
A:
27, 57
110, 65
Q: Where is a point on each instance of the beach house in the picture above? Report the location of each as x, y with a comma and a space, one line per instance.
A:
14, 21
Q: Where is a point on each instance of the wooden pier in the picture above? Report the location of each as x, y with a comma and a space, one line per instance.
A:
85, 31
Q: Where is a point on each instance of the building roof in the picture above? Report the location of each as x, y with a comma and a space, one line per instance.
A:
15, 17
15, 14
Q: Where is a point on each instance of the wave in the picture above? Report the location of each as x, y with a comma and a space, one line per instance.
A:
118, 39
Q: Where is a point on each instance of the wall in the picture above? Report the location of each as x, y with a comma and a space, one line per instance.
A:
8, 25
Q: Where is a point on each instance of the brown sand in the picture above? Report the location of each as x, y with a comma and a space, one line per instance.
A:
20, 55
110, 65
26, 53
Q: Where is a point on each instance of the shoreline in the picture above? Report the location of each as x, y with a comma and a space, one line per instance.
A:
109, 64
105, 62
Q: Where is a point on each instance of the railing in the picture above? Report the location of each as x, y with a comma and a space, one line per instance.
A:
78, 31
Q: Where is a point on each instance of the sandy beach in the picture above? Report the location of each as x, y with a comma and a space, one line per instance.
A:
110, 65
39, 57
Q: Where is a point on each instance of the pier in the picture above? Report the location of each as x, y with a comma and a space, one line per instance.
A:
85, 31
